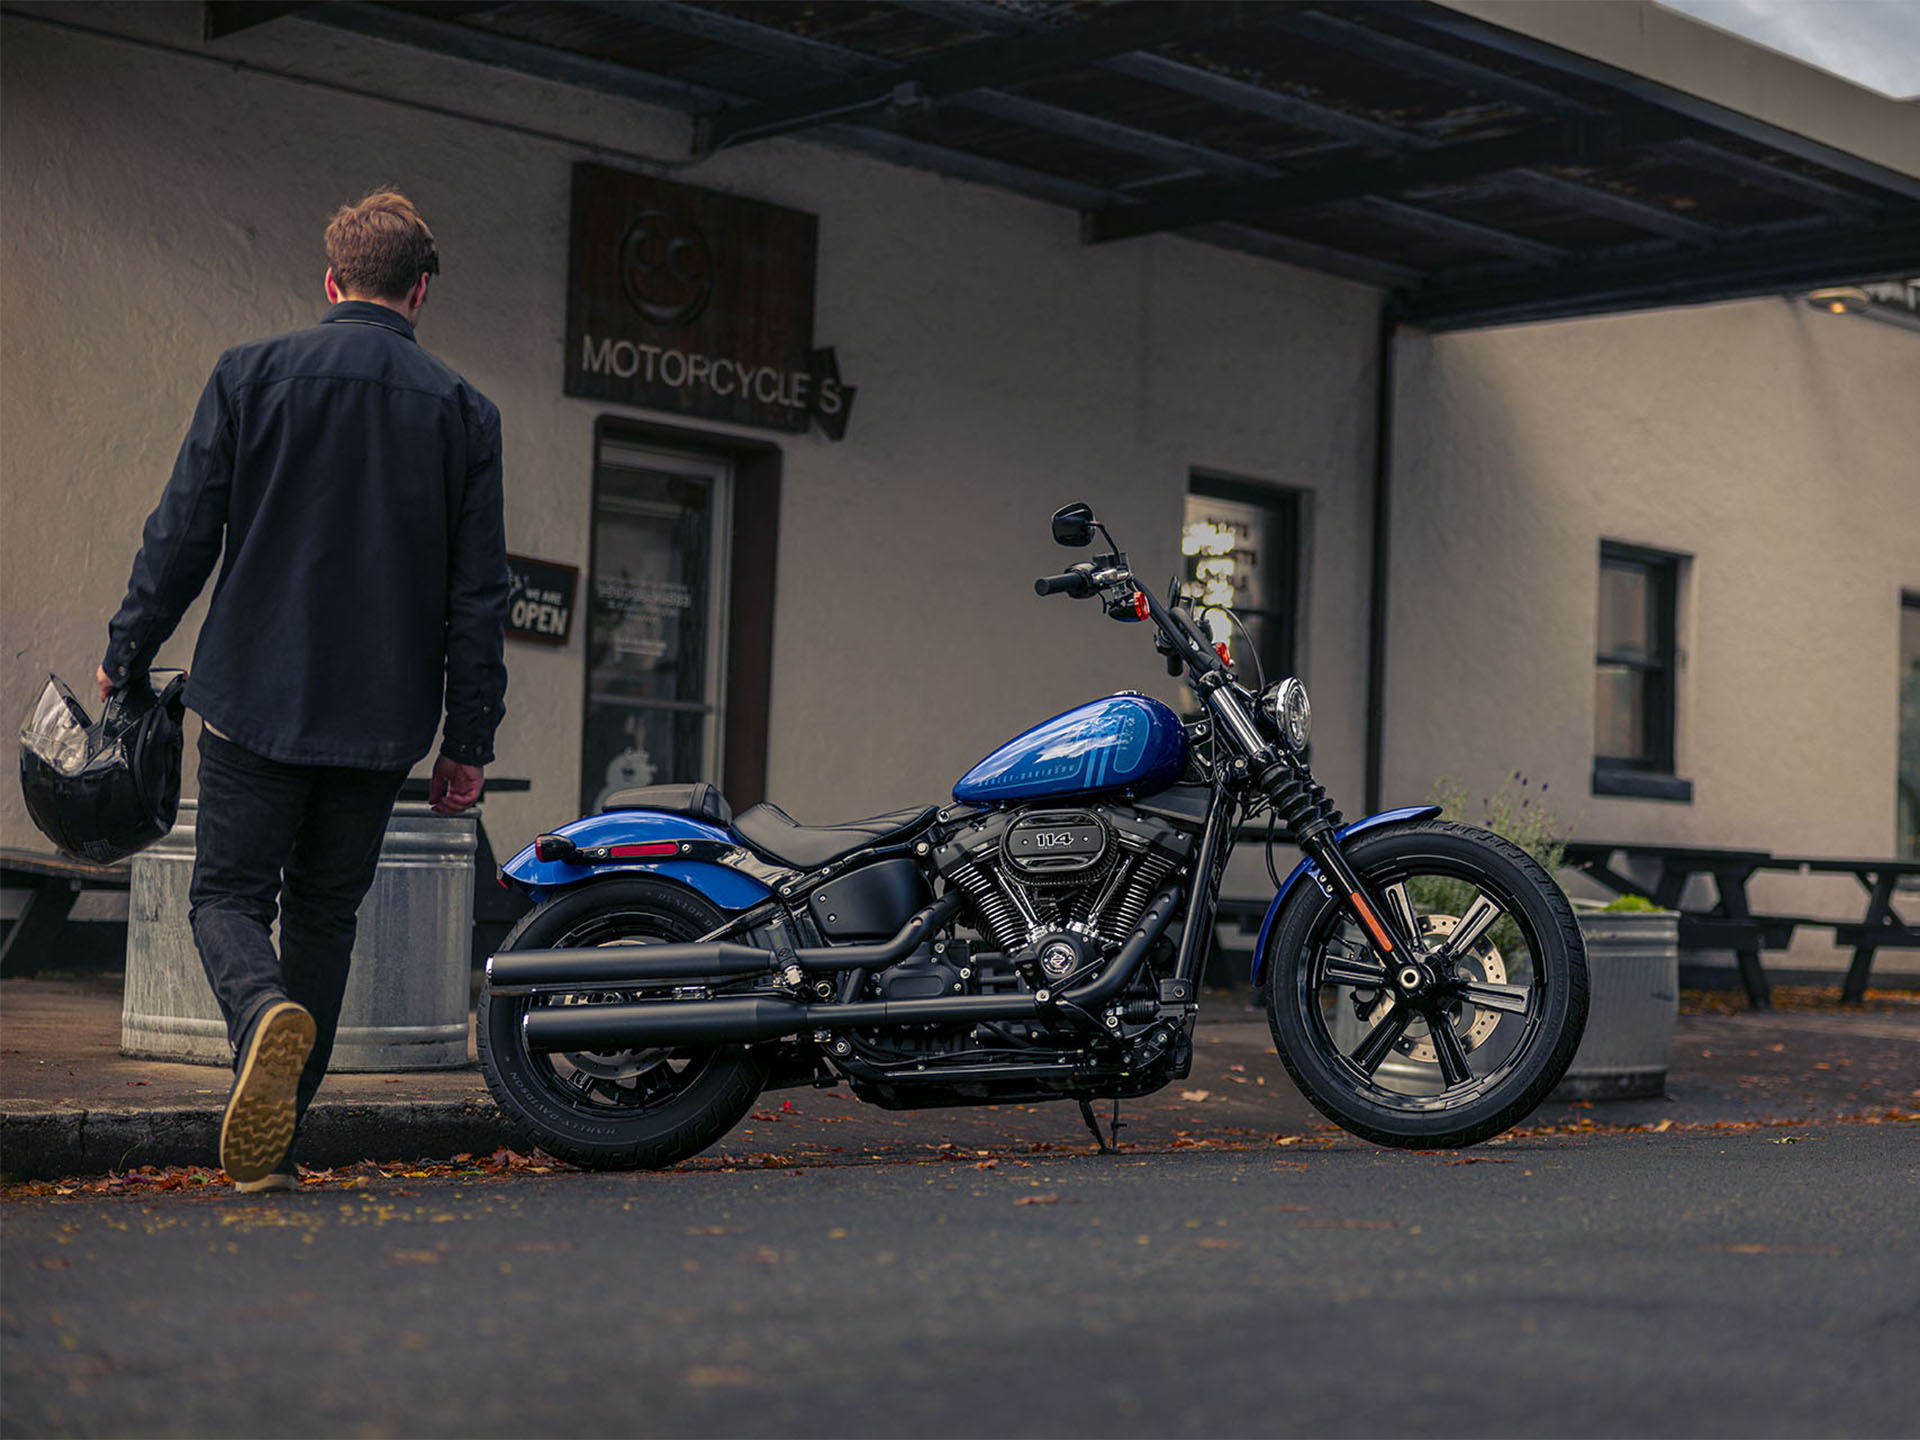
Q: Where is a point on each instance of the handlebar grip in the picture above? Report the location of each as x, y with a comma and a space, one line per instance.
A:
1068, 584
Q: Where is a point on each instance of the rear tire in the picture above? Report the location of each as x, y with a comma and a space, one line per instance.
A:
1372, 1062
614, 1110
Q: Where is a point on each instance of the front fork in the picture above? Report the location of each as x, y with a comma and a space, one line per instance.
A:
1289, 788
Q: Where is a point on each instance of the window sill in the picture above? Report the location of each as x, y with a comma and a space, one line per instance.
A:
1641, 785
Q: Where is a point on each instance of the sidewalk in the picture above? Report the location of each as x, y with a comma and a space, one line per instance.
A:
71, 1104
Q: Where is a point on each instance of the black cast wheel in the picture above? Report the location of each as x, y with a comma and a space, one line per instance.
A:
614, 1109
1464, 1041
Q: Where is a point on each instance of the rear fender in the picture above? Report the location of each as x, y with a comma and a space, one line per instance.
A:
725, 886
1408, 816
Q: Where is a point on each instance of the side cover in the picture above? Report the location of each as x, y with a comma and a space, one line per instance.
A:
726, 887
1359, 827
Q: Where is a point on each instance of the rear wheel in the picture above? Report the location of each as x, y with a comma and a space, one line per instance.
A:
614, 1109
1468, 1055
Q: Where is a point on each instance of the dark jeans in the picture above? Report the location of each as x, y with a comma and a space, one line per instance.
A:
299, 840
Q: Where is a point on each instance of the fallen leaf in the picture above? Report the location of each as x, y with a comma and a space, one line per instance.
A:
1345, 1224
53, 1263
1216, 1242
714, 1230
1773, 1250
707, 1377
1195, 1095
1663, 1127
1038, 1200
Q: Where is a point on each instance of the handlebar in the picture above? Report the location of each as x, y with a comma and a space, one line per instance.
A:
1075, 582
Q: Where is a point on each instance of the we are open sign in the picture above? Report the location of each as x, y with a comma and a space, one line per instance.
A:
540, 599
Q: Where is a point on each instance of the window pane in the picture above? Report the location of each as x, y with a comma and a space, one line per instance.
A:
652, 549
1228, 553
1624, 613
1619, 713
1909, 782
633, 745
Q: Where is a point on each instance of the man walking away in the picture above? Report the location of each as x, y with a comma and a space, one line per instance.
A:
354, 483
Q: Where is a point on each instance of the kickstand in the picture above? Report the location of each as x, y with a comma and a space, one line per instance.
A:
1107, 1147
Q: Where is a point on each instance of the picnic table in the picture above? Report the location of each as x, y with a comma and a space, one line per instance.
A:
1882, 924
53, 883
1730, 923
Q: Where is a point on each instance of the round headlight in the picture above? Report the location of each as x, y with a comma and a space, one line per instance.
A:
1291, 713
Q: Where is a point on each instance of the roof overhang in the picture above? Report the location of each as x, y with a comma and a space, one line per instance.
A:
1484, 161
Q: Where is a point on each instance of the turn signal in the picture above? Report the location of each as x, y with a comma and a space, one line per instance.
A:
1220, 649
1140, 605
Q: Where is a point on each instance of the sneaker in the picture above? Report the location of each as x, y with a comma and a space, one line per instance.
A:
257, 1130
285, 1178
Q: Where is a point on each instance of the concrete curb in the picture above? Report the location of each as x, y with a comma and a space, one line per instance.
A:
46, 1143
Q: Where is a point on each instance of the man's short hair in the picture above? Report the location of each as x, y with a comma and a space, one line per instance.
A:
380, 247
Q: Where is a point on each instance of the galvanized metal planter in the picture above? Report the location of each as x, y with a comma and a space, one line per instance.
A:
406, 1001
1633, 957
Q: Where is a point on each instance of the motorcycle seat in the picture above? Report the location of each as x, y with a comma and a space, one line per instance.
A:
700, 801
778, 836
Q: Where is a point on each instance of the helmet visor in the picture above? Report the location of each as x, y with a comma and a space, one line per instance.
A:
56, 729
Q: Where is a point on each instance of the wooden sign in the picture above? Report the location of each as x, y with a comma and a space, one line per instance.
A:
695, 302
540, 599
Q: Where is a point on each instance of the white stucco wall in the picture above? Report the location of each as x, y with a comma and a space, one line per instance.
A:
158, 209
1772, 443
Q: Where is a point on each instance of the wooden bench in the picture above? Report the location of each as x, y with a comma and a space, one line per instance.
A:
53, 883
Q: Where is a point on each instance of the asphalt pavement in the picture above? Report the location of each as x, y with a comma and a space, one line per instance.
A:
1761, 1281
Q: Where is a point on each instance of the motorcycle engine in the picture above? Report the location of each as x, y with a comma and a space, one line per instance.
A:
1057, 890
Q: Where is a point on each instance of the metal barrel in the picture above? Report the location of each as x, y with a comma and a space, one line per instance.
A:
1633, 960
407, 995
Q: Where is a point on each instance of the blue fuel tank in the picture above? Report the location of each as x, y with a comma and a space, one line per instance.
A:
1124, 742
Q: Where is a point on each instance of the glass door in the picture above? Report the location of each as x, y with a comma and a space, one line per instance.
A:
656, 620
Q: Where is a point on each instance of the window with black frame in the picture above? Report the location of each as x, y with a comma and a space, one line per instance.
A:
1636, 668
1241, 549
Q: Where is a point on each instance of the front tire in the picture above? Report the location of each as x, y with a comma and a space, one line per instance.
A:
614, 1110
1480, 1052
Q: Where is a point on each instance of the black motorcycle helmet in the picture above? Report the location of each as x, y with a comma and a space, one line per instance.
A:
104, 790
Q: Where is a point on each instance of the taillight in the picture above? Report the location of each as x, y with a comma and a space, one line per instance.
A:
652, 850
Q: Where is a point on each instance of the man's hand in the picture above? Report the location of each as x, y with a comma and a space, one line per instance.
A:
106, 685
454, 786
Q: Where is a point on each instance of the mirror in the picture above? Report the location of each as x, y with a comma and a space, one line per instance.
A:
1073, 525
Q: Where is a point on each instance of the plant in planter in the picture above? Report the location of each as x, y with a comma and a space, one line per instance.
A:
1632, 948
1516, 811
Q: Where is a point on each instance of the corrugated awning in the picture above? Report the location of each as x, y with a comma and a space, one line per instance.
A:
1480, 176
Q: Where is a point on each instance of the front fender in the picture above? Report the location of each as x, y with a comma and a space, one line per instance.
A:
726, 887
1405, 816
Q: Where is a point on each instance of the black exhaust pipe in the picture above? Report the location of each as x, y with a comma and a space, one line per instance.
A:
618, 967
745, 1020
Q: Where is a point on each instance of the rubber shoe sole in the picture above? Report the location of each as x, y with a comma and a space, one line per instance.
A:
258, 1126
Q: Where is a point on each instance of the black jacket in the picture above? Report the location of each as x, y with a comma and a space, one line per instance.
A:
355, 483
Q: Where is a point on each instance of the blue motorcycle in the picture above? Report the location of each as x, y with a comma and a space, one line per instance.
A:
1040, 938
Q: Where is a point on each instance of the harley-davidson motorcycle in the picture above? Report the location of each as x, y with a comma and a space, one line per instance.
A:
1040, 938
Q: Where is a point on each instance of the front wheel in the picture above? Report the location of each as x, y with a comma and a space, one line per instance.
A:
1472, 1051
614, 1109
